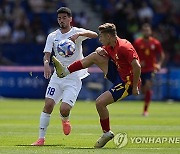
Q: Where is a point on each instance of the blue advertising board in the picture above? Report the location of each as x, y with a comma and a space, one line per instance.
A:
22, 82
29, 82
174, 83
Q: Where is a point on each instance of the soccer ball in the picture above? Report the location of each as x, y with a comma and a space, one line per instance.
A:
66, 48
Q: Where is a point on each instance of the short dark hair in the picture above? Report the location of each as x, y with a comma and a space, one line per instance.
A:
108, 28
65, 10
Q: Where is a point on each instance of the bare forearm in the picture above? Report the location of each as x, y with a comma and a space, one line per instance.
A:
89, 34
136, 72
136, 75
47, 69
47, 58
162, 57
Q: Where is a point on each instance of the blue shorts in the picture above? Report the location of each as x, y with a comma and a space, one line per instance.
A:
120, 89
146, 76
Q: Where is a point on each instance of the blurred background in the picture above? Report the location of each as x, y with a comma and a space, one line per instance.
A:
25, 24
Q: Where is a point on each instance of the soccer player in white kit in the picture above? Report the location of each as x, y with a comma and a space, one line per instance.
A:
68, 88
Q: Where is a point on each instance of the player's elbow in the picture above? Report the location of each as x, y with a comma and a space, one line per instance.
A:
94, 35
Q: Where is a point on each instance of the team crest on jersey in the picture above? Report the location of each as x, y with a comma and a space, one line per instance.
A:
152, 46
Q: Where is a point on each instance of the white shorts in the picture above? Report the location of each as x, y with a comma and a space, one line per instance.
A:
65, 89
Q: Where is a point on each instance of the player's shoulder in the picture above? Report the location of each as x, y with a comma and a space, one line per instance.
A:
124, 44
154, 40
53, 33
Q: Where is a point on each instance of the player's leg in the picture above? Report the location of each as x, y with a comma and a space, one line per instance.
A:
65, 109
44, 120
52, 97
146, 90
147, 96
96, 57
70, 93
101, 105
118, 91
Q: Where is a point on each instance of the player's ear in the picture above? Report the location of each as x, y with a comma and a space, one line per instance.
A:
109, 36
57, 20
70, 19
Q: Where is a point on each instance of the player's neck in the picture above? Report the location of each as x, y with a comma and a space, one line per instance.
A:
146, 38
65, 30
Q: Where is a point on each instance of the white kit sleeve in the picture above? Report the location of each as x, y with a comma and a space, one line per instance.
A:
49, 44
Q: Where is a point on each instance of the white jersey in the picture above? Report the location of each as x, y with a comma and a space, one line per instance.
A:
52, 42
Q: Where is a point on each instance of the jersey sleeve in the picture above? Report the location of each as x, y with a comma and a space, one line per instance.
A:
49, 44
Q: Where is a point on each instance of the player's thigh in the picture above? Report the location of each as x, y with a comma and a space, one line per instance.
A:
54, 92
104, 99
148, 84
97, 59
101, 61
146, 80
120, 90
71, 90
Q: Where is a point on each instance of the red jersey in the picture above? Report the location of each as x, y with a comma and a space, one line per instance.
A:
148, 52
123, 54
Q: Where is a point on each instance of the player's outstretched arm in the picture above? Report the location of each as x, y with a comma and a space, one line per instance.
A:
159, 64
87, 33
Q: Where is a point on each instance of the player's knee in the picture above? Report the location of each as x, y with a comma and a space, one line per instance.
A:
65, 110
48, 108
99, 103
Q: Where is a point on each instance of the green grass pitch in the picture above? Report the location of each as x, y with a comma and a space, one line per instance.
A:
19, 122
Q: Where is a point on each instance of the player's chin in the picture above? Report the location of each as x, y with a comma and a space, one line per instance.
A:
62, 26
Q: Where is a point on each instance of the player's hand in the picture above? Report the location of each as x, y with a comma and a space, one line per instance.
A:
157, 67
74, 37
135, 91
47, 71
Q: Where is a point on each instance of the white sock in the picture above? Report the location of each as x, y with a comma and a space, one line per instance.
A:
44, 122
64, 118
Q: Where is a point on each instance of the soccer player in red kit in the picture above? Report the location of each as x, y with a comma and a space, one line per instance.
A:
151, 57
120, 64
